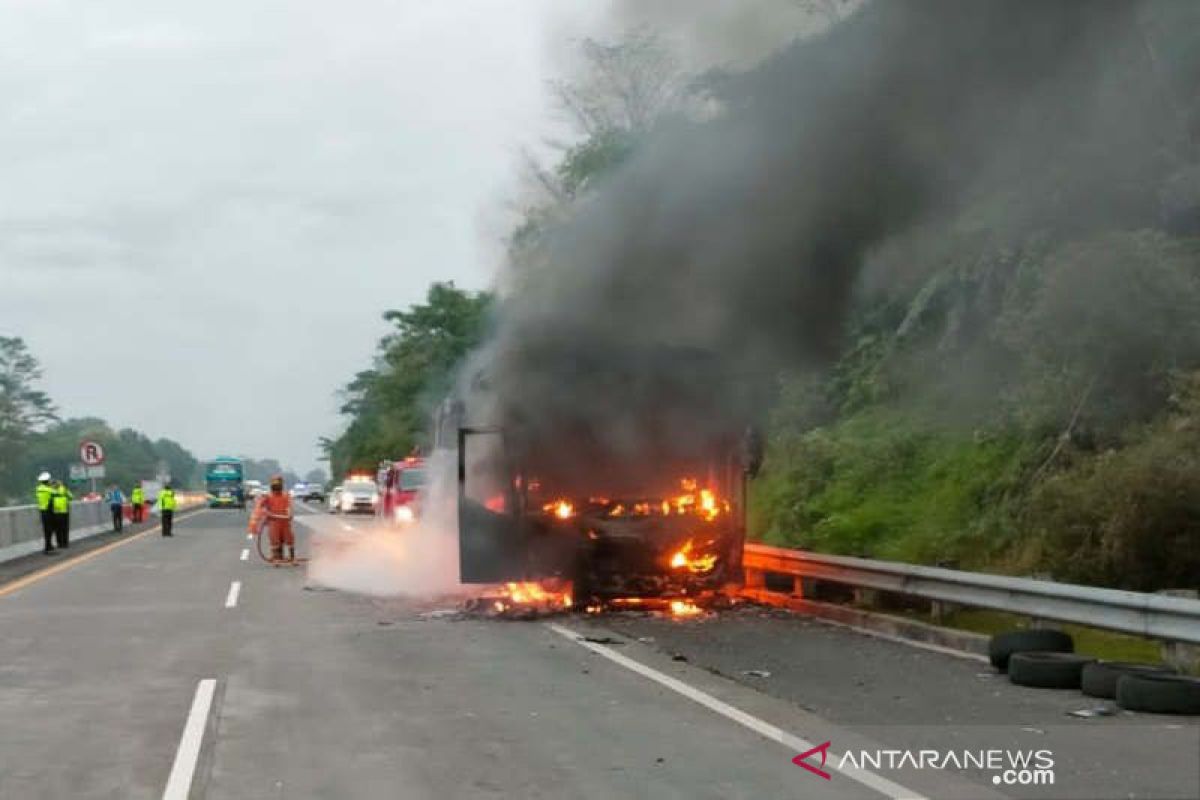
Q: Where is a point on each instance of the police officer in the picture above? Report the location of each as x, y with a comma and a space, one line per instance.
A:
116, 503
44, 492
60, 506
166, 503
137, 499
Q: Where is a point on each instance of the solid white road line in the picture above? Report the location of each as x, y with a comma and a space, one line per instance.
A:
761, 727
245, 554
234, 589
179, 784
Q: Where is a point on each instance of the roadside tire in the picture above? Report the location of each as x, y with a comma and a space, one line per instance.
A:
1100, 677
1159, 694
1047, 670
1003, 645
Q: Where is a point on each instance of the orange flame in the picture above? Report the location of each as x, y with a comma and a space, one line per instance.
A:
685, 608
702, 502
563, 509
698, 563
530, 594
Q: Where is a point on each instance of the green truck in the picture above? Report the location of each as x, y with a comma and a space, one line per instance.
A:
223, 481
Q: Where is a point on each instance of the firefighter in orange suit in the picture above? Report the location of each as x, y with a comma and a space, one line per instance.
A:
274, 510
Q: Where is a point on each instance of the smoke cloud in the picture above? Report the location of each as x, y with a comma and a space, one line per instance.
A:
744, 236
382, 560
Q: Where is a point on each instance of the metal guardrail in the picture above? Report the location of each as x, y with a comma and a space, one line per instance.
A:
1152, 615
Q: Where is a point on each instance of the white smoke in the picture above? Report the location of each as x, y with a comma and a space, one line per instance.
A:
382, 560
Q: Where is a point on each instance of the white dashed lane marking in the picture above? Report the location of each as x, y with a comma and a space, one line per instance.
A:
235, 589
179, 784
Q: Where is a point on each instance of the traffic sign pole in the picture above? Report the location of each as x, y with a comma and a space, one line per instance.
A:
92, 456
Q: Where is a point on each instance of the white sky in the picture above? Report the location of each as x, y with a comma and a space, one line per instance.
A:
205, 206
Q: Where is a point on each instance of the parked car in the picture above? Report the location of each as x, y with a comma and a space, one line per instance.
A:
315, 491
359, 495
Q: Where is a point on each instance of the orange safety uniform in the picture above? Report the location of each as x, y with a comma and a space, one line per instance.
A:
274, 509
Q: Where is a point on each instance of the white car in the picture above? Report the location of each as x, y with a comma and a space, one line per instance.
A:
334, 501
359, 496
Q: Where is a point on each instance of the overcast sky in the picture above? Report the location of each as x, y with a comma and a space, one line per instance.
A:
205, 206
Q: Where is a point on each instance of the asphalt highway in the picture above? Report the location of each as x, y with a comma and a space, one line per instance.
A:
186, 667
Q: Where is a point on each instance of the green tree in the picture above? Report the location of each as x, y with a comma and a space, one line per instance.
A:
388, 405
130, 455
24, 409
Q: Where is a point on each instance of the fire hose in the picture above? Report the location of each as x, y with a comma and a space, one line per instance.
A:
258, 537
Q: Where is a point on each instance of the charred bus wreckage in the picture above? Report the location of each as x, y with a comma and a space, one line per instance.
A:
638, 492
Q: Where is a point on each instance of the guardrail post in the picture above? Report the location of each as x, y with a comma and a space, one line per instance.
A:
1180, 655
940, 610
865, 597
755, 578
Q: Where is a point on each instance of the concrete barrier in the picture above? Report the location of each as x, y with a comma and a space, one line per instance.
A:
21, 526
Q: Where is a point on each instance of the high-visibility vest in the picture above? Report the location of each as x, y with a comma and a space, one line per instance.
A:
62, 500
44, 492
166, 499
137, 496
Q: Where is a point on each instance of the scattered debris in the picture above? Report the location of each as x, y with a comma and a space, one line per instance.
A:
646, 639
678, 657
442, 613
521, 601
602, 640
384, 622
1095, 711
756, 673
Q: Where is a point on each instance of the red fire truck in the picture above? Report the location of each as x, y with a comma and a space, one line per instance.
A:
400, 484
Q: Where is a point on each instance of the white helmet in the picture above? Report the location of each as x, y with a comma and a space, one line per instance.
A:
45, 476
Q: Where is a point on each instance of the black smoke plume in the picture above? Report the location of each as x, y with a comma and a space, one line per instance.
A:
742, 237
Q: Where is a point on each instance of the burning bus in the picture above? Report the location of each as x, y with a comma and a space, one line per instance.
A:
638, 493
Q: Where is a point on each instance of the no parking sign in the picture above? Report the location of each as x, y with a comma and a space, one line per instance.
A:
91, 453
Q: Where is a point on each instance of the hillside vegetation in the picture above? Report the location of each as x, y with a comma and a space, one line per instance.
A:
1015, 382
